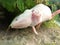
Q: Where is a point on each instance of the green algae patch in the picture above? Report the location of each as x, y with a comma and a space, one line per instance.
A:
50, 24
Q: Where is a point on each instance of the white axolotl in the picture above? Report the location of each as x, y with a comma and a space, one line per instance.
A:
33, 17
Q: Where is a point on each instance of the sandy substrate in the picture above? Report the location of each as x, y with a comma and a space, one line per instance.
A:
46, 36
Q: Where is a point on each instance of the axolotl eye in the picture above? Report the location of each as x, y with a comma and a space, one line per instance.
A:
16, 19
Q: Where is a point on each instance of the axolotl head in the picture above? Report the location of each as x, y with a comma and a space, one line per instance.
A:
20, 19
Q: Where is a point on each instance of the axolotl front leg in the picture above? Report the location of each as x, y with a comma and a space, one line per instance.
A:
36, 28
35, 21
